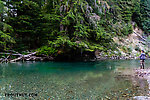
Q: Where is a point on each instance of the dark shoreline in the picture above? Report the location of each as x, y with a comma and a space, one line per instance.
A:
78, 60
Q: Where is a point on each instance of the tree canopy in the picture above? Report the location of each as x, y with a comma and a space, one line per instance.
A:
58, 27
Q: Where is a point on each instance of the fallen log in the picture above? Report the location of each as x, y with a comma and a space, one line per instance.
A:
5, 59
22, 57
29, 54
14, 60
34, 58
29, 57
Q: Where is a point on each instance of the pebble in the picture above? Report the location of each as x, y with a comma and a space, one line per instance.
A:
58, 89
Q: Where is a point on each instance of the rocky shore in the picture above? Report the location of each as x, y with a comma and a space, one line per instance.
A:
140, 78
143, 74
13, 56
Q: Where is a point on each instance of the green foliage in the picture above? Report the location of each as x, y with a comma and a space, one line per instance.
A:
47, 50
124, 49
149, 54
62, 42
1, 7
121, 12
27, 25
142, 17
145, 15
69, 25
138, 54
6, 40
137, 48
72, 28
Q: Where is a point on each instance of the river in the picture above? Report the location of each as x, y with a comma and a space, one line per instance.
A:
67, 80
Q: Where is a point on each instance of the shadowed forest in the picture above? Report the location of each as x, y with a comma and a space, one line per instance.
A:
67, 28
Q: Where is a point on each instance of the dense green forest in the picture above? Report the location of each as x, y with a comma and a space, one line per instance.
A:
69, 27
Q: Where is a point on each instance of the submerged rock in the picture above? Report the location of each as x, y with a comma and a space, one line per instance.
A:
141, 98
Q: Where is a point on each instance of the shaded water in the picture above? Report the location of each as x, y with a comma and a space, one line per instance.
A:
66, 80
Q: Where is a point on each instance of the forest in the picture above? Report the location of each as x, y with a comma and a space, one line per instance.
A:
69, 28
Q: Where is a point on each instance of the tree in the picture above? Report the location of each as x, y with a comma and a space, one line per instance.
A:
26, 21
69, 26
6, 40
72, 24
145, 15
142, 15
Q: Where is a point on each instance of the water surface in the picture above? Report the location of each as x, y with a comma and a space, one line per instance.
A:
66, 80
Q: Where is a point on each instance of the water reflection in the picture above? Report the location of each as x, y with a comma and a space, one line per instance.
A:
65, 80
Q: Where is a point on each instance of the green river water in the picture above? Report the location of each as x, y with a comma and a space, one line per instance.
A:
67, 80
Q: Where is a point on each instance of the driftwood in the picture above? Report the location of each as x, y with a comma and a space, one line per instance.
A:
4, 59
22, 57
29, 57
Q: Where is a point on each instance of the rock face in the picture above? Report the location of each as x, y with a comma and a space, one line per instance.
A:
127, 47
131, 44
103, 56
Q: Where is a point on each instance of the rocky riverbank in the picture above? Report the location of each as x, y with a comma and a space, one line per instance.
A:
88, 56
140, 78
143, 74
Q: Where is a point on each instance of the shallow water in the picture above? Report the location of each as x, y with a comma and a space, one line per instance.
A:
66, 80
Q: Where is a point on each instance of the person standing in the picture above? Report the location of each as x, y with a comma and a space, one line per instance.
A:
142, 59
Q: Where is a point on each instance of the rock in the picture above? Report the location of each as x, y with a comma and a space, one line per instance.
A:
141, 98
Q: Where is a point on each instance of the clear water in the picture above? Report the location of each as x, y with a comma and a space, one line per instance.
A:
66, 80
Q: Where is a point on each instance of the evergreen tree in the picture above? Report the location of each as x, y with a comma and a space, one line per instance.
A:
26, 21
145, 15
6, 40
65, 26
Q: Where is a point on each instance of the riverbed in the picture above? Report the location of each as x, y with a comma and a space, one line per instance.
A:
68, 80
